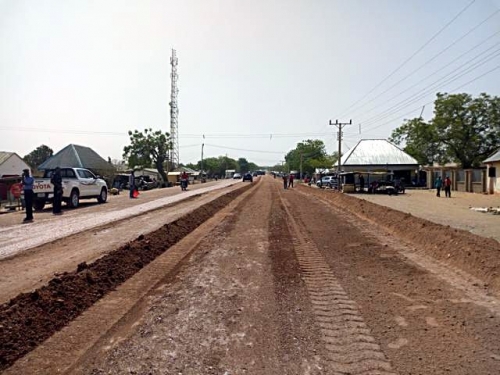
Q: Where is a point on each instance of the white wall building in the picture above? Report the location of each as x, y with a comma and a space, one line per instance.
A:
493, 173
11, 164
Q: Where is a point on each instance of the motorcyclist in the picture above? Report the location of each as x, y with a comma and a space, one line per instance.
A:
184, 179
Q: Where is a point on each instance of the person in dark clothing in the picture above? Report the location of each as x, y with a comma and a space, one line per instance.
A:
290, 180
438, 184
131, 184
285, 181
56, 180
361, 183
27, 183
447, 187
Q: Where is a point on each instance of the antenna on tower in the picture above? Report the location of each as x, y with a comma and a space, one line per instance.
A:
174, 112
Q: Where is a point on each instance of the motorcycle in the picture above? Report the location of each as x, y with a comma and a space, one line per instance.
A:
184, 184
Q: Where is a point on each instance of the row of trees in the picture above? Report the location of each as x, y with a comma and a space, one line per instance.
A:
464, 130
218, 165
311, 154
150, 149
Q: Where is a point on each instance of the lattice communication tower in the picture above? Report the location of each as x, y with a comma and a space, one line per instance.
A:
174, 112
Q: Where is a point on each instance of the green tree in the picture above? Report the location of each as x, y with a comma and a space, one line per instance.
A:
464, 130
38, 156
421, 141
252, 167
148, 148
242, 165
313, 155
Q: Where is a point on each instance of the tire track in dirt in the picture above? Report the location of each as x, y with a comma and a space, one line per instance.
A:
350, 347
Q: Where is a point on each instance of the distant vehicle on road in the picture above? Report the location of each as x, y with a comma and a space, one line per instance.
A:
78, 183
247, 177
237, 176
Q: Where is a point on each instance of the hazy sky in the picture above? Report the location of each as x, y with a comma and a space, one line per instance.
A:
86, 72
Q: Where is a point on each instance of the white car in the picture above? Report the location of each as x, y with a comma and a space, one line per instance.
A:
78, 183
237, 176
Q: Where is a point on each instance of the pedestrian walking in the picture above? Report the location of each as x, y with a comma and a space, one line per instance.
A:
290, 180
131, 184
447, 187
285, 181
438, 184
56, 180
27, 183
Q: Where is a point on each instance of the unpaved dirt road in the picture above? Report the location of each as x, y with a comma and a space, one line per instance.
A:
292, 282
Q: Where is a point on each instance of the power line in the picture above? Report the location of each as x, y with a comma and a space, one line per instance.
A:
185, 136
247, 150
428, 61
411, 57
432, 101
430, 89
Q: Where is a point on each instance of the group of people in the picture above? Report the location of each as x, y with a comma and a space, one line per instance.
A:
439, 184
288, 180
28, 181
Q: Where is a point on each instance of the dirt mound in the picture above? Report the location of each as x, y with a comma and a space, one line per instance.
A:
30, 318
476, 255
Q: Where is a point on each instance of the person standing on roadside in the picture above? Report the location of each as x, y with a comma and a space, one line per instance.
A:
131, 184
438, 184
56, 180
285, 181
290, 180
447, 187
27, 183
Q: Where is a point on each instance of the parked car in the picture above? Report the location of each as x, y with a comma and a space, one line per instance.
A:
327, 181
78, 183
247, 177
237, 176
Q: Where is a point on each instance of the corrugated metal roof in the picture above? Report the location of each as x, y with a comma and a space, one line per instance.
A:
377, 152
74, 156
494, 157
4, 156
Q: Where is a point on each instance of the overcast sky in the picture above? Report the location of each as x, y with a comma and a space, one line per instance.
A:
86, 72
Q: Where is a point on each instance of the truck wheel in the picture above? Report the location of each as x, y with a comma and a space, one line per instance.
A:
74, 199
103, 197
39, 205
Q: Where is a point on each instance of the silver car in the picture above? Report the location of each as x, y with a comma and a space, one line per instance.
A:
327, 181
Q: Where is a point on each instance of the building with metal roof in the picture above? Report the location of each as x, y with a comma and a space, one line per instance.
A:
75, 156
11, 164
377, 155
493, 173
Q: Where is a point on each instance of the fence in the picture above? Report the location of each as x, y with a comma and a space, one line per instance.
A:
466, 180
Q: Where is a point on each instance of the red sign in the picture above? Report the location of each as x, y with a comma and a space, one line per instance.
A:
15, 189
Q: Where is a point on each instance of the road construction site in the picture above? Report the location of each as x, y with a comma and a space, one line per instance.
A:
247, 278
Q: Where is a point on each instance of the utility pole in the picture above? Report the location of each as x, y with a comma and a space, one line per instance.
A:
201, 164
339, 126
301, 155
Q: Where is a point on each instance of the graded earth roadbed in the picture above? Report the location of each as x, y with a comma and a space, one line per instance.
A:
29, 319
476, 255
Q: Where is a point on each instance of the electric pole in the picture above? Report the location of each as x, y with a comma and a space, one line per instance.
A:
201, 164
301, 155
339, 126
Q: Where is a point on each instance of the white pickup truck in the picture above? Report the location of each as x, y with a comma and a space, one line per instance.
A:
78, 183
